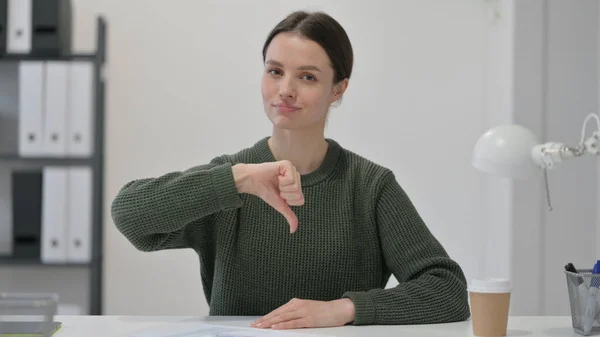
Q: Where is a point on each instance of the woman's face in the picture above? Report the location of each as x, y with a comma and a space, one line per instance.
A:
297, 83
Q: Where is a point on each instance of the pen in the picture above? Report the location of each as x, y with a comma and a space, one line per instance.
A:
590, 311
571, 268
579, 283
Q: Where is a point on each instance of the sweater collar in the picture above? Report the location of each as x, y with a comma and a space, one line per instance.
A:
327, 167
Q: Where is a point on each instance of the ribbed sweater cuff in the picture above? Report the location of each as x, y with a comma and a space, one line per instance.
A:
364, 308
226, 192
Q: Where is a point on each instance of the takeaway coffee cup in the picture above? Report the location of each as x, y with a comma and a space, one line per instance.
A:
490, 301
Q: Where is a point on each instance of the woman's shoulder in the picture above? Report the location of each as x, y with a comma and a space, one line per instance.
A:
362, 167
250, 154
373, 178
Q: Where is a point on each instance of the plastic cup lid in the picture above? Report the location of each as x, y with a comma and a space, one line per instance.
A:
490, 285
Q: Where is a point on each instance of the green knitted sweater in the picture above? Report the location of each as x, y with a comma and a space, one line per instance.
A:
356, 228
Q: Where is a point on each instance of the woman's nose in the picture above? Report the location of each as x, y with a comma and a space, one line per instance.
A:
287, 89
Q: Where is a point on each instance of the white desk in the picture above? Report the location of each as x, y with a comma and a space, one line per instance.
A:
121, 326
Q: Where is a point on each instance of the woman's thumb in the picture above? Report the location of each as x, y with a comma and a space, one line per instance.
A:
289, 215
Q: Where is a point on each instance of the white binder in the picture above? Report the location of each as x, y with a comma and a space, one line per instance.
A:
81, 99
31, 104
79, 232
54, 215
19, 23
55, 117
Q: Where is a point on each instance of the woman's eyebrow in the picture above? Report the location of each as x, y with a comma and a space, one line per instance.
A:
305, 67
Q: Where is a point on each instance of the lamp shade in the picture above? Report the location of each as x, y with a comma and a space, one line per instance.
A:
506, 150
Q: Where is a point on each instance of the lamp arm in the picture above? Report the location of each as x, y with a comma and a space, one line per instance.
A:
548, 154
595, 135
551, 153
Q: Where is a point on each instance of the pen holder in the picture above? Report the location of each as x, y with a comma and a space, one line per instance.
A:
34, 310
584, 301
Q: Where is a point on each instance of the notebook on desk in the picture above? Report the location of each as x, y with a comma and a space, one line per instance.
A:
27, 329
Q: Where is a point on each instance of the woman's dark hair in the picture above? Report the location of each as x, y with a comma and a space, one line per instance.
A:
324, 30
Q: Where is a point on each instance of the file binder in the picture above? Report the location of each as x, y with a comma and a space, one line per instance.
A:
19, 26
31, 98
51, 35
3, 25
27, 213
55, 118
81, 107
6, 222
9, 108
54, 215
79, 232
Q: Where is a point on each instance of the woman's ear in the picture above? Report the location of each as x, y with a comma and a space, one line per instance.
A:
339, 89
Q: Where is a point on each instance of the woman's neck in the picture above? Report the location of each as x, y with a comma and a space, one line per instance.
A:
306, 149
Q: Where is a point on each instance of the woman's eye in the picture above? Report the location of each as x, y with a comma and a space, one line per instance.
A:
275, 72
309, 77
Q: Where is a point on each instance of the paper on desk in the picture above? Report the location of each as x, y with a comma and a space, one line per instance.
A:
197, 329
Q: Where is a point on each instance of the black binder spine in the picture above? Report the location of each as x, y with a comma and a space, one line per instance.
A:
27, 213
51, 27
3, 25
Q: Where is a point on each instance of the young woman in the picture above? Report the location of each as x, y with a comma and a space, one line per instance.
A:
296, 228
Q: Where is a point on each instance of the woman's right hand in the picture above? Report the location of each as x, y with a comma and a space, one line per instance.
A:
277, 183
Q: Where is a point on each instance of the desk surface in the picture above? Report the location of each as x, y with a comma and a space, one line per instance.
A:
121, 326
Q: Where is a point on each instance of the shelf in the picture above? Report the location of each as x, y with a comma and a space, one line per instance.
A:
46, 160
27, 57
12, 261
10, 156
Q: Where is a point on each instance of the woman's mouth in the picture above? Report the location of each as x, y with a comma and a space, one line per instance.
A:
286, 108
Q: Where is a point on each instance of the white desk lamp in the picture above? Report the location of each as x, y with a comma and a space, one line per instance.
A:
513, 151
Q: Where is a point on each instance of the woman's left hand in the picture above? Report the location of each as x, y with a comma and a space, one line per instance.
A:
299, 313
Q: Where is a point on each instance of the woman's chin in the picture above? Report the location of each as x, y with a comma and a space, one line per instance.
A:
284, 122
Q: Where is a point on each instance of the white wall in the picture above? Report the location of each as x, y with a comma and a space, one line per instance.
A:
423, 89
497, 109
571, 93
527, 196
